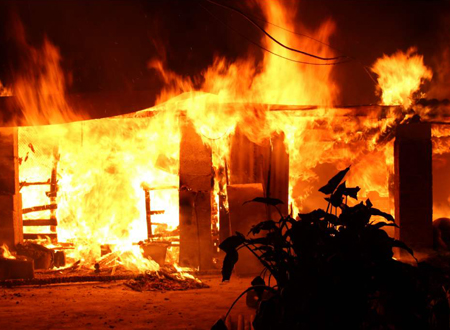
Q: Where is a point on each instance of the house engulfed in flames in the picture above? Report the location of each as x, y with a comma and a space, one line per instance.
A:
176, 175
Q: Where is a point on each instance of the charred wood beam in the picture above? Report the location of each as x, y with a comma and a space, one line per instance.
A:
155, 213
145, 186
52, 194
39, 183
40, 208
40, 222
148, 211
148, 214
52, 236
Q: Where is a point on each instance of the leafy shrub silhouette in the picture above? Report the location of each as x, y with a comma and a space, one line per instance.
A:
334, 272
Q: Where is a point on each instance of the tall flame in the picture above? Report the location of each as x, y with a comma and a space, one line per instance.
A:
400, 76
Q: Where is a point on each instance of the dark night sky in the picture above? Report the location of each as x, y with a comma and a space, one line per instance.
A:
106, 45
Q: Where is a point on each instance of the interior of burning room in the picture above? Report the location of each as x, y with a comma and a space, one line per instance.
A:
162, 155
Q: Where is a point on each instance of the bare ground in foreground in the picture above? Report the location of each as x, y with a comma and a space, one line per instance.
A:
114, 305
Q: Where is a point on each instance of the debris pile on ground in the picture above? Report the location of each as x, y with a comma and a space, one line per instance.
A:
166, 279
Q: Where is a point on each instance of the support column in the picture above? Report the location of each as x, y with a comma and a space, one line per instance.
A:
251, 163
413, 185
196, 178
279, 175
11, 229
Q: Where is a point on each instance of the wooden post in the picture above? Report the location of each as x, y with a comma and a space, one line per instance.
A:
53, 193
243, 216
148, 215
413, 185
251, 163
279, 173
196, 178
11, 230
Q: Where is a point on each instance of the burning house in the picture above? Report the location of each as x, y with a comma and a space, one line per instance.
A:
164, 179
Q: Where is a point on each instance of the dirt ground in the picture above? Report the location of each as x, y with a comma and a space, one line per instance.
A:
114, 305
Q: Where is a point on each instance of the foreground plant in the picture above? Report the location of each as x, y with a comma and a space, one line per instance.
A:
332, 272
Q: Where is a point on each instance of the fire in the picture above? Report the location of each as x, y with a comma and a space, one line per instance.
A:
103, 166
6, 254
5, 91
40, 88
290, 83
400, 76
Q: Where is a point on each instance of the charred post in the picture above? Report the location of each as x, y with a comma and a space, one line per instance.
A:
413, 185
266, 163
196, 177
11, 230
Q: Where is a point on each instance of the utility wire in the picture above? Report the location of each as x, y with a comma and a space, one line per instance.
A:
366, 68
268, 50
349, 58
272, 38
298, 34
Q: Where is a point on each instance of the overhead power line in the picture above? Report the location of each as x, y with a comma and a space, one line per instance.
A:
365, 67
345, 57
273, 39
348, 59
297, 33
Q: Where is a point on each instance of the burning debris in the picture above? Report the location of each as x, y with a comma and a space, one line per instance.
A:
33, 264
167, 278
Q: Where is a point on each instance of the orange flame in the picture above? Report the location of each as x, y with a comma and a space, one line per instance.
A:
103, 164
5, 91
400, 76
6, 254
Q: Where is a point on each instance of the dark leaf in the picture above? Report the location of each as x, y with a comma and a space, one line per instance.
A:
355, 217
265, 225
264, 200
338, 195
334, 182
387, 216
229, 261
401, 245
258, 281
219, 325
352, 192
269, 256
382, 224
335, 199
231, 243
313, 216
259, 240
331, 218
262, 248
